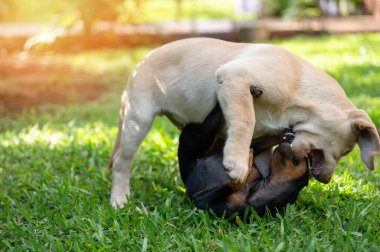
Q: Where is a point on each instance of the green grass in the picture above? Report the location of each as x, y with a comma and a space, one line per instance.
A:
55, 184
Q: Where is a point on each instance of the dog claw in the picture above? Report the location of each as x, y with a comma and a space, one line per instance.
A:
118, 202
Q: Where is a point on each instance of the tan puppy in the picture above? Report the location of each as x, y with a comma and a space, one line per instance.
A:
185, 79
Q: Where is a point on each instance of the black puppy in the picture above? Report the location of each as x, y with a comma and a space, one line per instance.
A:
210, 188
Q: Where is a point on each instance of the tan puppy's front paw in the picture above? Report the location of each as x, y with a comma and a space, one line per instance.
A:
237, 167
118, 201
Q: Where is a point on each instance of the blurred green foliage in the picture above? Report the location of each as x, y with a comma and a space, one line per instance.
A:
88, 11
312, 8
70, 11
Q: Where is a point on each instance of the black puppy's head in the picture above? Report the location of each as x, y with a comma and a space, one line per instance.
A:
210, 187
287, 177
207, 173
208, 184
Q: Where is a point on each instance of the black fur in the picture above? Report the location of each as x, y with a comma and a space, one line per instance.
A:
208, 185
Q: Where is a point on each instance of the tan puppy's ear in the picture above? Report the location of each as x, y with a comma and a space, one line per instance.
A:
367, 137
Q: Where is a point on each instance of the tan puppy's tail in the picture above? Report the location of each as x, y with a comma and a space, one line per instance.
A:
116, 146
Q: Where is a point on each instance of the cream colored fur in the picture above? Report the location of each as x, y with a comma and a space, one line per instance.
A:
185, 79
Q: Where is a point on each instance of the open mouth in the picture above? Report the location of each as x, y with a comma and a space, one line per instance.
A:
316, 159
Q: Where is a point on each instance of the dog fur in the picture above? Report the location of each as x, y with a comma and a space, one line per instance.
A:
210, 188
185, 79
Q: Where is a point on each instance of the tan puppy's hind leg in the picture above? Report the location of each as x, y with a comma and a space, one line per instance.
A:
236, 102
138, 119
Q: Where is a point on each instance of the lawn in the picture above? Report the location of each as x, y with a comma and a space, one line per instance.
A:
55, 184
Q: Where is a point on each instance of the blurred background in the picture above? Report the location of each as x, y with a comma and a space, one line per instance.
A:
102, 23
42, 40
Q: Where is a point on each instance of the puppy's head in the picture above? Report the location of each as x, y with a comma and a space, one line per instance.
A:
208, 174
285, 166
209, 186
288, 176
326, 139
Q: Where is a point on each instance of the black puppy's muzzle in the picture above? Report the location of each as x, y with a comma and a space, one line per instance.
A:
286, 154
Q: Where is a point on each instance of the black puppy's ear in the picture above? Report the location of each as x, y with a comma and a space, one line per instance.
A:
209, 197
216, 200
